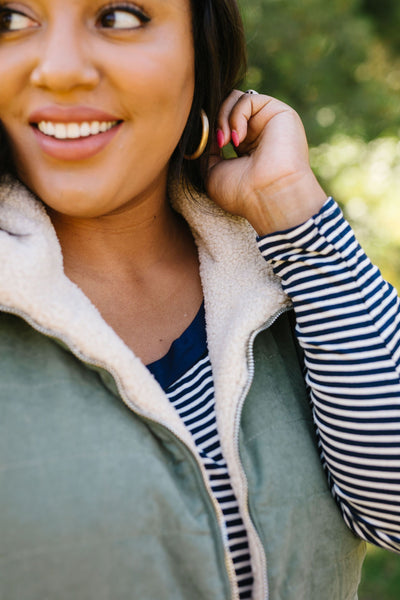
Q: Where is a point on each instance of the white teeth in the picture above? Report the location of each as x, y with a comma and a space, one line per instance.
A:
85, 129
60, 131
73, 131
95, 128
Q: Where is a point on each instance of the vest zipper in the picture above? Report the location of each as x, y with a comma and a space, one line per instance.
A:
262, 566
125, 398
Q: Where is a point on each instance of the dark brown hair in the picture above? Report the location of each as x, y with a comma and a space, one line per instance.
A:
6, 165
220, 64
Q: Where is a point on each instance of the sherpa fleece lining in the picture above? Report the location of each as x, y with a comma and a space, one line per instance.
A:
240, 294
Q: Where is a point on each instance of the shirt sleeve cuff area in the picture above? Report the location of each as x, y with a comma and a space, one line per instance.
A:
314, 233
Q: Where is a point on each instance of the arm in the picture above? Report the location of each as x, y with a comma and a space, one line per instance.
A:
347, 316
348, 323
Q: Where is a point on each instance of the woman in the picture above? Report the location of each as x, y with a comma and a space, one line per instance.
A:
121, 480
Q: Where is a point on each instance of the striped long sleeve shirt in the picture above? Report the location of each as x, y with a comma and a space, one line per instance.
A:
348, 324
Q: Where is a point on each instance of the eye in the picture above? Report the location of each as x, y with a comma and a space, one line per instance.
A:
13, 20
122, 17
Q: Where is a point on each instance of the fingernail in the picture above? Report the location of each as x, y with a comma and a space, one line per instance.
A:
235, 138
220, 138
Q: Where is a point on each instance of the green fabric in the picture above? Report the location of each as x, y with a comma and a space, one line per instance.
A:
311, 554
94, 503
98, 504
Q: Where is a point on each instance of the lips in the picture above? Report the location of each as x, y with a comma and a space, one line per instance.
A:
73, 133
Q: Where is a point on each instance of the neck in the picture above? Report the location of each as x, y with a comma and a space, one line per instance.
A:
131, 240
139, 266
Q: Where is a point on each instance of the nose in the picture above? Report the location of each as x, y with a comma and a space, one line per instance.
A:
64, 60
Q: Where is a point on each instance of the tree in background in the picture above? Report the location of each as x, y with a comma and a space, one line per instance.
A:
338, 64
333, 61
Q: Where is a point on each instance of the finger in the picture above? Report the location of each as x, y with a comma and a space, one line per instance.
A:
215, 154
250, 115
225, 110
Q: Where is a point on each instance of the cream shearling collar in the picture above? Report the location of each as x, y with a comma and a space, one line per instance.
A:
240, 294
240, 291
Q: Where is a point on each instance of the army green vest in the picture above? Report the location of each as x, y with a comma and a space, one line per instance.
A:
98, 503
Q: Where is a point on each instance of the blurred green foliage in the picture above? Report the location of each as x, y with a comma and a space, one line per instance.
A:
337, 63
381, 576
364, 177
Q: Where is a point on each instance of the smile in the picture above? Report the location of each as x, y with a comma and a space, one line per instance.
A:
75, 139
73, 131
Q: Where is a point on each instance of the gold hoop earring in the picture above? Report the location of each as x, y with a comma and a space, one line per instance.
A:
204, 138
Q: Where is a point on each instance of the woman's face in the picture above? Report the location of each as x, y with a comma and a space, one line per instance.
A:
94, 97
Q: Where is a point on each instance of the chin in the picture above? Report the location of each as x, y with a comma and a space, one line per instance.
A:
59, 195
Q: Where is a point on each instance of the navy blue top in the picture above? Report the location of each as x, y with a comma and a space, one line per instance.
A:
184, 352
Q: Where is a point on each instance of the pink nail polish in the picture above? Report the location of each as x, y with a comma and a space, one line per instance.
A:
220, 138
235, 138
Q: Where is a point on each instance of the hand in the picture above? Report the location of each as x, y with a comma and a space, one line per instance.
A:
270, 183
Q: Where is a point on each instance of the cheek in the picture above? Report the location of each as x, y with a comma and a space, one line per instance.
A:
157, 78
155, 90
14, 75
14, 70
